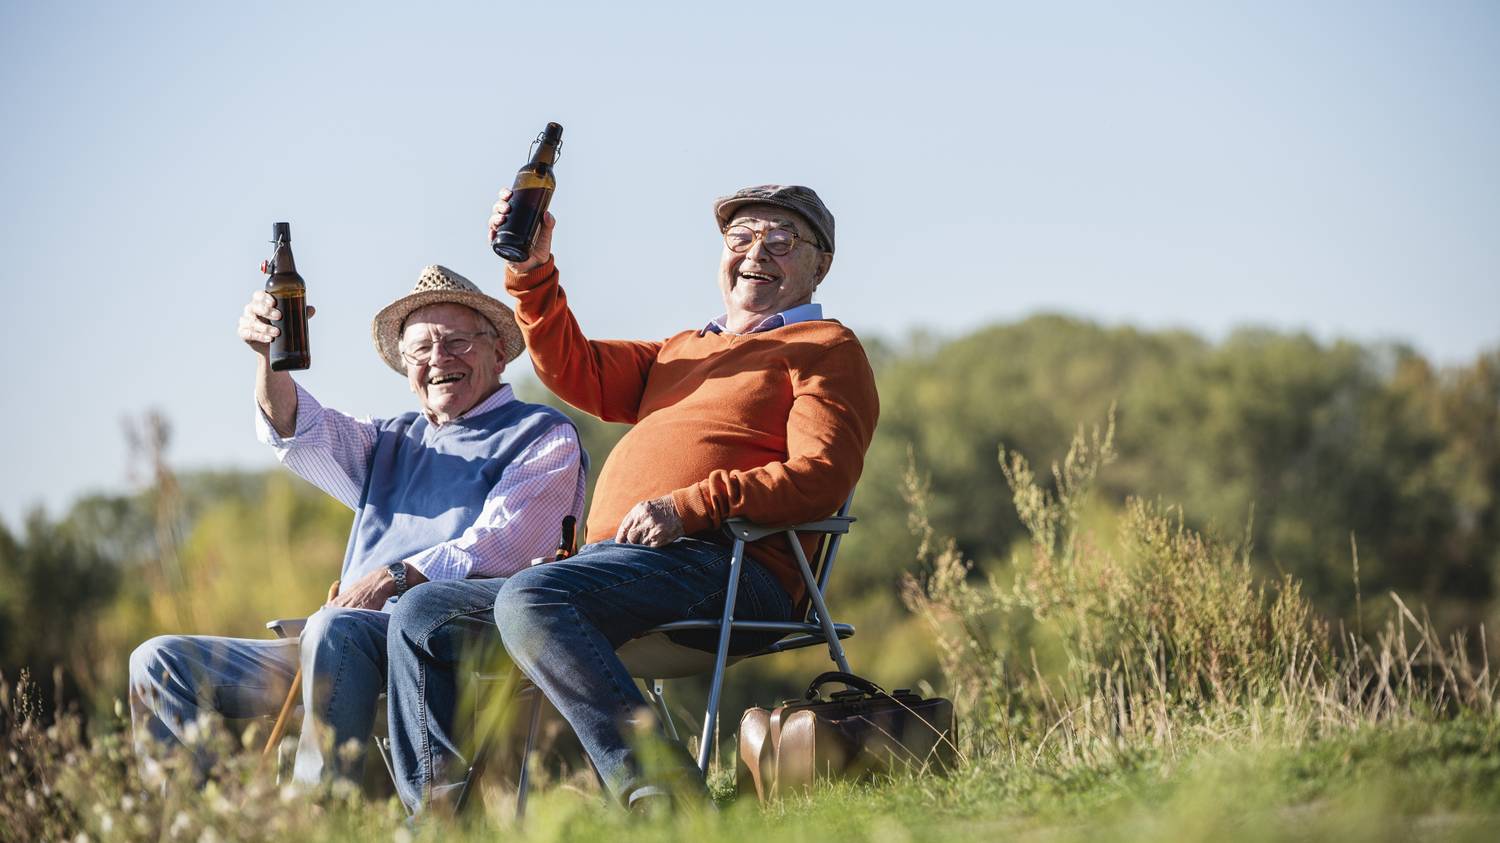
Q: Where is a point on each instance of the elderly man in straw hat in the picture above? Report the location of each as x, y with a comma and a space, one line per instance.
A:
475, 484
764, 412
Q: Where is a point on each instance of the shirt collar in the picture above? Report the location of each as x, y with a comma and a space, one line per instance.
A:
503, 395
791, 316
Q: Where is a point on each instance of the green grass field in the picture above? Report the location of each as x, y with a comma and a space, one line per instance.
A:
1429, 781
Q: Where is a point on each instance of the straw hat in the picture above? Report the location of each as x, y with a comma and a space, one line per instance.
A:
437, 285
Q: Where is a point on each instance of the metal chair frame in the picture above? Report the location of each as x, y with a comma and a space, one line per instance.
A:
817, 627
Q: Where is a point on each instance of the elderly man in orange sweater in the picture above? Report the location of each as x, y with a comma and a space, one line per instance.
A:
764, 413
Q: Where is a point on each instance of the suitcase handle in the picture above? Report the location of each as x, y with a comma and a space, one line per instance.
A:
849, 680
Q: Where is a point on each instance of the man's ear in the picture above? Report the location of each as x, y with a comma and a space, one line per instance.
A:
825, 262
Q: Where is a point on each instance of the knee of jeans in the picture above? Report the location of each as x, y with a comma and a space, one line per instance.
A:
326, 630
150, 659
519, 611
401, 627
416, 608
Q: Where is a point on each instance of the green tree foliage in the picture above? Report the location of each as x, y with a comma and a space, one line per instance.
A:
1313, 441
951, 405
53, 580
1328, 441
81, 593
260, 546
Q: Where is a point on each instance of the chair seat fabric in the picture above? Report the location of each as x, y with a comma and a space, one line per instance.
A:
657, 656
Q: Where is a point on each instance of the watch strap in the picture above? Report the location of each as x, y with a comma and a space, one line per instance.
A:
398, 573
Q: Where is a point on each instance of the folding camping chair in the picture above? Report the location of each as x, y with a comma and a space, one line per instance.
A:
653, 656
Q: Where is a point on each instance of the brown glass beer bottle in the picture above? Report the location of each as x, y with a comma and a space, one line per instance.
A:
529, 197
569, 544
289, 348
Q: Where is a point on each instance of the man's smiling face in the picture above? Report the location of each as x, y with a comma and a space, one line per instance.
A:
449, 384
755, 283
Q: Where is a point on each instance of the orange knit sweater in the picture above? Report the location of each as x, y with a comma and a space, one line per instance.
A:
772, 427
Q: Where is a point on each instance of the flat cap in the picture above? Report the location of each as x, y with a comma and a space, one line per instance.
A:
794, 197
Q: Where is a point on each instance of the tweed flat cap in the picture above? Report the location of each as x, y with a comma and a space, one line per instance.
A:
439, 285
793, 197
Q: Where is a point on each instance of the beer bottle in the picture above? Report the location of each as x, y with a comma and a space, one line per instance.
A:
529, 197
289, 349
567, 547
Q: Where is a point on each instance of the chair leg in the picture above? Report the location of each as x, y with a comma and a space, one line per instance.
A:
481, 761
654, 690
835, 649
383, 746
471, 780
486, 732
523, 785
710, 718
282, 773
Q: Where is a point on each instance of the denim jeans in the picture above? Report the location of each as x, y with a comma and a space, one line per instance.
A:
437, 630
561, 623
176, 679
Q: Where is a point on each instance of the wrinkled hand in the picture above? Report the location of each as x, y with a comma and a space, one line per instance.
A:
373, 589
255, 322
541, 249
652, 523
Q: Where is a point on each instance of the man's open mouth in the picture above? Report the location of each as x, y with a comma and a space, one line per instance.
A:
439, 380
758, 278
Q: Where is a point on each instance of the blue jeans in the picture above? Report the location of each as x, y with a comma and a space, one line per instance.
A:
438, 629
176, 679
561, 623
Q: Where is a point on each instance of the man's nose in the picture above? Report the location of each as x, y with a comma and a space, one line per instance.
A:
757, 250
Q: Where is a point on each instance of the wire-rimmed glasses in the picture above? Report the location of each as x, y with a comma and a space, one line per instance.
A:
779, 241
455, 344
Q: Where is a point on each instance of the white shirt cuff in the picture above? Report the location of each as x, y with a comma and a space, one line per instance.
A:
308, 413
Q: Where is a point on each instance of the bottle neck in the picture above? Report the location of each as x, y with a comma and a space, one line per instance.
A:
283, 263
546, 153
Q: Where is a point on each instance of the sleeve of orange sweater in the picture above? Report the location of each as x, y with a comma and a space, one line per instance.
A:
834, 411
604, 378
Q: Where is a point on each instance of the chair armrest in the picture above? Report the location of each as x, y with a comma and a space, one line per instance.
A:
739, 528
287, 627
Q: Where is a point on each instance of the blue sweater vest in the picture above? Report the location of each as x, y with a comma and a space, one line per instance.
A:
426, 484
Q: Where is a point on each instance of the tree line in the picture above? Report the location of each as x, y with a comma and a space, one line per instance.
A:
1358, 469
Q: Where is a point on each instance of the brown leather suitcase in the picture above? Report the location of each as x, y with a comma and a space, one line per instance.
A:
854, 733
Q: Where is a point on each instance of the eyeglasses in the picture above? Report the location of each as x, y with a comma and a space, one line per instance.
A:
453, 344
779, 241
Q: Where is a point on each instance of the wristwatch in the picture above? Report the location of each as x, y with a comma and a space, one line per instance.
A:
398, 573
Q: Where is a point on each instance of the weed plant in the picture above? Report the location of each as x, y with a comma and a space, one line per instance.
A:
1164, 644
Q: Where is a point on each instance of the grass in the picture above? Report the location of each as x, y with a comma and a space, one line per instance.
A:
1437, 780
1145, 688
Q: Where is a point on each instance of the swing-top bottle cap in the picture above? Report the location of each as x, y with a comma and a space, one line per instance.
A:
281, 231
553, 132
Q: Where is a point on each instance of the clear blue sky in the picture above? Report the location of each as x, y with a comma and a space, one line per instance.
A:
1332, 167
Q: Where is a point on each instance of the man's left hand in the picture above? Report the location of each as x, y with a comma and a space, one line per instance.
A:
652, 523
373, 589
